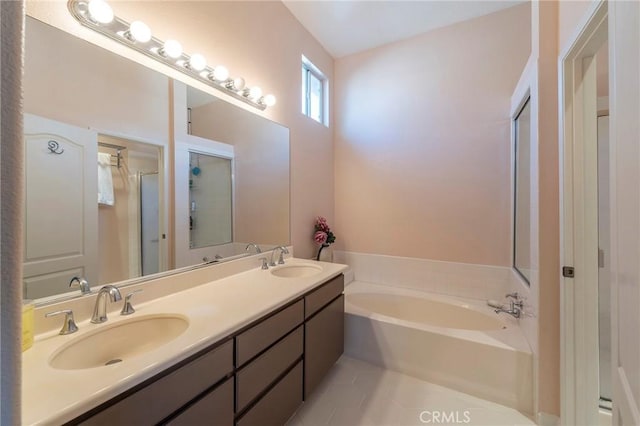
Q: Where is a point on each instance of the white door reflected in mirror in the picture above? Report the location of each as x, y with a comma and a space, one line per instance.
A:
61, 209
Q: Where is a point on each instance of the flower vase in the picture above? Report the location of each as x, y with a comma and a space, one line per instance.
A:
325, 253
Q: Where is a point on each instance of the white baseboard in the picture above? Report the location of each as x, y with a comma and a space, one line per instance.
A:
545, 419
605, 417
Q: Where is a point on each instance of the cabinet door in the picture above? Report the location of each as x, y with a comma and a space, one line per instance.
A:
215, 409
261, 372
165, 396
324, 343
323, 295
262, 335
279, 404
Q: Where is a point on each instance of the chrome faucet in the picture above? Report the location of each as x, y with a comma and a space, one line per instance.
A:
80, 282
254, 246
516, 306
283, 251
100, 310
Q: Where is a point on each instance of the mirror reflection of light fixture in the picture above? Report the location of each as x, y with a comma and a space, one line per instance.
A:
98, 16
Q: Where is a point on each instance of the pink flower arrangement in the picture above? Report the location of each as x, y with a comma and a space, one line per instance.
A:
320, 237
322, 234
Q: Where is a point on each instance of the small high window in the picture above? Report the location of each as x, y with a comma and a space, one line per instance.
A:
314, 92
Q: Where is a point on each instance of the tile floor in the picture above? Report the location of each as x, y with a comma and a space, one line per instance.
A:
357, 393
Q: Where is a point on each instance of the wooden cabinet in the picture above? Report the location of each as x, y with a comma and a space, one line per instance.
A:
263, 371
258, 376
262, 335
167, 393
324, 342
275, 408
214, 408
323, 295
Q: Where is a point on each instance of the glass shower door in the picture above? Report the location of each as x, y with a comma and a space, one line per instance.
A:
149, 223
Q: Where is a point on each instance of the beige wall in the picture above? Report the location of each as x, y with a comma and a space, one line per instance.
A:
569, 15
422, 142
545, 35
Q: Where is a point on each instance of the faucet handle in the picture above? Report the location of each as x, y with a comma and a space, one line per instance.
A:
80, 282
265, 265
283, 251
69, 326
127, 309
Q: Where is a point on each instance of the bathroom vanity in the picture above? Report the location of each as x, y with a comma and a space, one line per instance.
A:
252, 369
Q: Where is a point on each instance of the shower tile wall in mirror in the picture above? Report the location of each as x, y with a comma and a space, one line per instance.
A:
98, 143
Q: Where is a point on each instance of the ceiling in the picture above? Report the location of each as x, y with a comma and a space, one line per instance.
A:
345, 27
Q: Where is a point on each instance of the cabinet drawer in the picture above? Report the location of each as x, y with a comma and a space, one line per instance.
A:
323, 344
265, 369
166, 395
215, 408
262, 335
279, 403
323, 295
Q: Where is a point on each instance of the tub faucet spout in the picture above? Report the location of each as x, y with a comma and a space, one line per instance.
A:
515, 308
514, 311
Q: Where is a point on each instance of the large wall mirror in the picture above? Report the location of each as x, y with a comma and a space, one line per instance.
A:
522, 193
100, 134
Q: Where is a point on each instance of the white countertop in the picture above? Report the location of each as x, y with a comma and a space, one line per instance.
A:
215, 310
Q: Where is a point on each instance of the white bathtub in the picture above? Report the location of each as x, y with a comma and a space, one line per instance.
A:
458, 343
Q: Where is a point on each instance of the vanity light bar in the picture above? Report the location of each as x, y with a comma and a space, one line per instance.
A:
98, 15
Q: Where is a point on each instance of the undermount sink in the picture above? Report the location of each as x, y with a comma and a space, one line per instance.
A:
119, 342
296, 271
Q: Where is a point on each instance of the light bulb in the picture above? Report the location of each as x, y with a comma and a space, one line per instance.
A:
140, 31
172, 49
268, 100
255, 92
197, 62
238, 83
100, 11
220, 73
